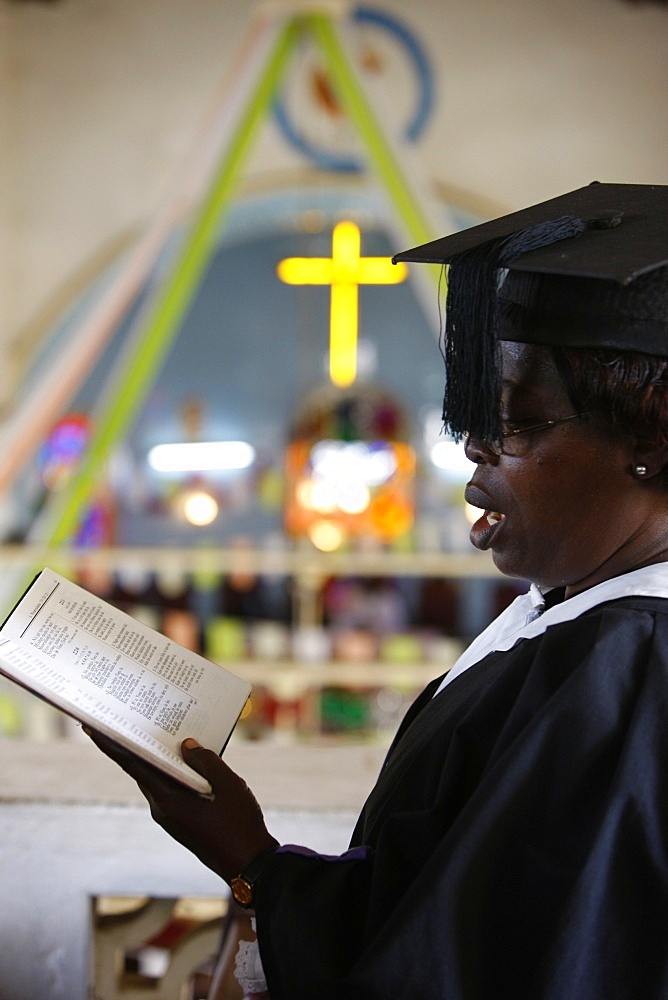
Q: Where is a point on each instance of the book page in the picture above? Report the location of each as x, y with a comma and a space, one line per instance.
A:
130, 681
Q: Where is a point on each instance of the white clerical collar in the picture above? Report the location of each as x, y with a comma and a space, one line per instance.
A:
523, 618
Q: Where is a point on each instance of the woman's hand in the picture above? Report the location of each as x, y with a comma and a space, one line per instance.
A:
225, 830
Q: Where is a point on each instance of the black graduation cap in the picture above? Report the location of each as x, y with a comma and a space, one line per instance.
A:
586, 269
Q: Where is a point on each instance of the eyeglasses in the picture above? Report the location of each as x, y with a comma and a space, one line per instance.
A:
512, 431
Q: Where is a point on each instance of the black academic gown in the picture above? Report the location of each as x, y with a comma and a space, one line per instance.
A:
515, 844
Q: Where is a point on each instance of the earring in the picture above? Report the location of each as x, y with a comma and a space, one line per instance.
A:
640, 470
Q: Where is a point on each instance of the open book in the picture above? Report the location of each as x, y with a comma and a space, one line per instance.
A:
119, 676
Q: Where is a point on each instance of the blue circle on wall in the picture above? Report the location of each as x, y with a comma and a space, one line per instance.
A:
418, 116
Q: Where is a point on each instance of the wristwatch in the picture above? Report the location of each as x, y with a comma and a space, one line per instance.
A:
243, 886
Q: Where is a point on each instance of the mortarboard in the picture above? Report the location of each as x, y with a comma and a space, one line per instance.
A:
586, 269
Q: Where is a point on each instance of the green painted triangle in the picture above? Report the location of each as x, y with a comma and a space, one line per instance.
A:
161, 319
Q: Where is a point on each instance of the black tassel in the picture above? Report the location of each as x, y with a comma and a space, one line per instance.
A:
472, 399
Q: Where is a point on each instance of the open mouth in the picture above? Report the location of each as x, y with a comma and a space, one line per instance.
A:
493, 517
490, 521
485, 530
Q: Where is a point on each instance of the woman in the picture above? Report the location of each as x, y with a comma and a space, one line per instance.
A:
516, 842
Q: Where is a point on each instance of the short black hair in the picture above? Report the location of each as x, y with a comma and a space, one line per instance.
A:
628, 390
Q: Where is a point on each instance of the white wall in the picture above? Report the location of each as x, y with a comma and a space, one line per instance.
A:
73, 826
101, 100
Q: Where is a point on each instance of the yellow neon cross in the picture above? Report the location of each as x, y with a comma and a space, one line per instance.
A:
345, 270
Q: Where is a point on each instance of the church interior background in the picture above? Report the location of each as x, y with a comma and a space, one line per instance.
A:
325, 554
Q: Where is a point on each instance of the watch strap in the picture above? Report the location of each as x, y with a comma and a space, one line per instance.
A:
242, 886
